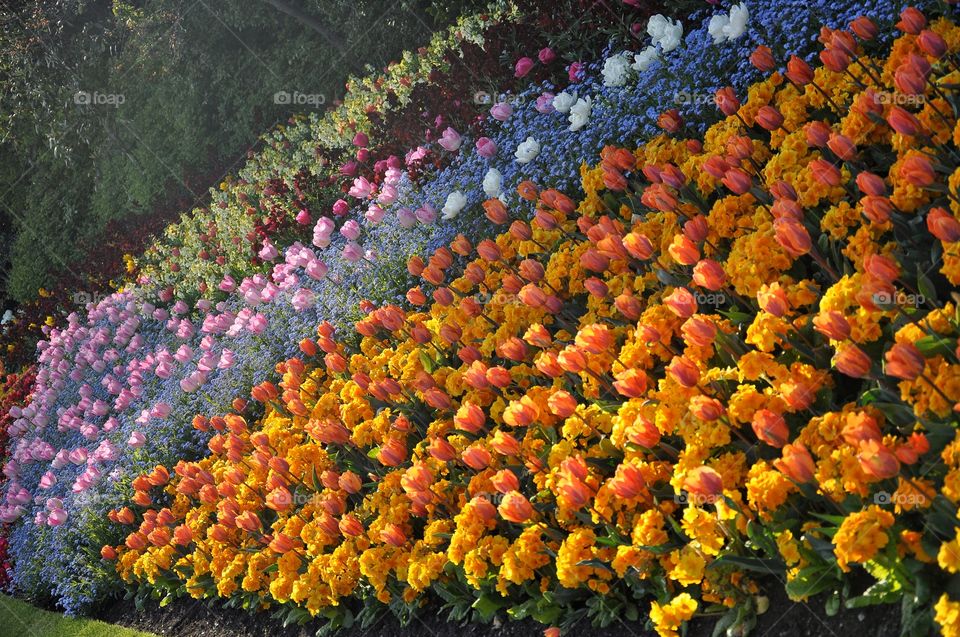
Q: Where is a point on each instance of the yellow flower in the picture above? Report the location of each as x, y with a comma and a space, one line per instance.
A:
861, 535
668, 618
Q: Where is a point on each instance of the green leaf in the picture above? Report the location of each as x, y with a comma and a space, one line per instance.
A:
487, 607
759, 564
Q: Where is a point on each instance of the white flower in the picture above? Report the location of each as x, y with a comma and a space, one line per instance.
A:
717, 27
615, 70
643, 59
580, 114
737, 25
456, 200
563, 101
527, 151
493, 183
671, 38
657, 25
665, 32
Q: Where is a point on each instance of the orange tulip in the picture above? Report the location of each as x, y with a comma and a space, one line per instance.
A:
912, 21
918, 171
628, 481
860, 427
709, 274
699, 331
351, 526
762, 59
798, 71
684, 371
943, 225
903, 121
505, 481
644, 433
877, 461
631, 383
832, 324
392, 453
504, 444
704, 482
792, 236
769, 118
905, 361
852, 361
562, 403
706, 408
681, 302
514, 507
864, 28
108, 553
796, 463
770, 427
495, 211
594, 339
683, 250
476, 457
726, 100
521, 413
773, 299
469, 417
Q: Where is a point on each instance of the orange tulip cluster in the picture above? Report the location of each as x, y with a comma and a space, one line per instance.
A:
732, 351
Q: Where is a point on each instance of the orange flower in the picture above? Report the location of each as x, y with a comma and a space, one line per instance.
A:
706, 408
631, 383
832, 324
683, 250
562, 403
798, 71
681, 302
852, 361
528, 190
770, 427
904, 360
762, 59
495, 211
943, 225
769, 117
469, 417
709, 274
249, 521
594, 338
796, 463
505, 481
703, 482
350, 525
504, 444
628, 481
283, 543
514, 507
684, 371
877, 461
644, 433
699, 331
792, 236
476, 457
393, 535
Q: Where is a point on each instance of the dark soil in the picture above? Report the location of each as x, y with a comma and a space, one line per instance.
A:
190, 618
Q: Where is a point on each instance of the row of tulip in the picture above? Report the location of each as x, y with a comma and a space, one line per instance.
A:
117, 382
733, 354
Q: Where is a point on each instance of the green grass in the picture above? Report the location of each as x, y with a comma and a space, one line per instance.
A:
18, 619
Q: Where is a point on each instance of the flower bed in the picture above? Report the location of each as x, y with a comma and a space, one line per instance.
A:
732, 353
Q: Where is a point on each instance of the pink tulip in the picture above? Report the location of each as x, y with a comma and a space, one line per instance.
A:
352, 252
48, 480
544, 103
375, 213
523, 66
450, 139
486, 147
303, 218
350, 230
546, 55
340, 208
426, 214
136, 440
575, 72
361, 140
501, 111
